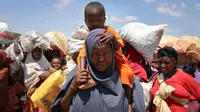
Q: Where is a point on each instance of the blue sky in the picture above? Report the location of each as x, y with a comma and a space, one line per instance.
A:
182, 16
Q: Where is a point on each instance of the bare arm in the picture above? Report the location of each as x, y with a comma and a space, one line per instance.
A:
67, 99
79, 78
128, 91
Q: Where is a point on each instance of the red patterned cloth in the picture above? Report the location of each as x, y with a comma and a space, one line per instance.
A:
13, 100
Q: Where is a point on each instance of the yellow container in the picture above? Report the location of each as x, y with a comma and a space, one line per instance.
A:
44, 96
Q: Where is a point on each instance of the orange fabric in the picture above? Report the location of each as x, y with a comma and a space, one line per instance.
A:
122, 65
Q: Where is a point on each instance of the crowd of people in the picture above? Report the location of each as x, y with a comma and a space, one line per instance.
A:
108, 74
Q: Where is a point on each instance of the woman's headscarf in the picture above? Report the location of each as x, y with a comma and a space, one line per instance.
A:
33, 69
168, 52
107, 96
92, 41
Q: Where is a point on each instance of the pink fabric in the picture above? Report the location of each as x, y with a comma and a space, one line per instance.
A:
134, 58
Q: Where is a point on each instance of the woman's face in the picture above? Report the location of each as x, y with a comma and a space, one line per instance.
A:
102, 57
166, 65
37, 54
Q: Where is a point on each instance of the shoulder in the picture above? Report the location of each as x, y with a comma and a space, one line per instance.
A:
184, 77
182, 74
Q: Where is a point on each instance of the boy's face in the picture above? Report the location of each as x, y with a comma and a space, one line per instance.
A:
56, 63
95, 19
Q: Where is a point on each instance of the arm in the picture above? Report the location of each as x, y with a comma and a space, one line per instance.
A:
67, 99
79, 78
128, 91
116, 44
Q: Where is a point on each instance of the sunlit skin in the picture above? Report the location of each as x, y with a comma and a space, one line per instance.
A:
102, 57
95, 19
166, 65
56, 63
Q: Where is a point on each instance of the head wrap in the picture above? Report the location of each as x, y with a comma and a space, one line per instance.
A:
92, 41
168, 52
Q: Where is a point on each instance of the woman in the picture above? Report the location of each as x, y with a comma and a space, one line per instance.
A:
172, 89
107, 95
36, 68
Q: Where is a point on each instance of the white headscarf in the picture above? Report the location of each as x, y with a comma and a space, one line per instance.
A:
33, 69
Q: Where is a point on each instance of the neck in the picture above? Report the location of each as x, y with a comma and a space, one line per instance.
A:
169, 75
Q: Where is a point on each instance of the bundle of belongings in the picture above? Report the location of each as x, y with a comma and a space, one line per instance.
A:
144, 40
188, 48
59, 42
6, 35
76, 41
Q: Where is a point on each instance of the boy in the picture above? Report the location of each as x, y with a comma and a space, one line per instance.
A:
95, 18
56, 63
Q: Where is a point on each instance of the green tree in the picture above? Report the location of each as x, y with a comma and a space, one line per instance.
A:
16, 34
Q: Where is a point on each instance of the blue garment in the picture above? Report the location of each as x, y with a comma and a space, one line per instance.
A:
107, 96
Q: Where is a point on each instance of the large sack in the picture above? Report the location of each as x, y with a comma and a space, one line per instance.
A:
144, 38
28, 42
168, 40
34, 39
59, 40
44, 96
189, 45
76, 40
6, 35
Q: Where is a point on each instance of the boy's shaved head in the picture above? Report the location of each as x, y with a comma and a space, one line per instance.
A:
94, 5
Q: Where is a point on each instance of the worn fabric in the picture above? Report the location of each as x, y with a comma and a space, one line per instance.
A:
4, 72
33, 69
122, 65
185, 88
107, 96
3, 86
58, 41
135, 58
138, 103
13, 100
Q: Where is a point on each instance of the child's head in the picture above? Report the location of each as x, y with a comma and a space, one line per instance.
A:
95, 15
56, 63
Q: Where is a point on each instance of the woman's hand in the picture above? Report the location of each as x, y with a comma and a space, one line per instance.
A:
81, 77
44, 76
51, 70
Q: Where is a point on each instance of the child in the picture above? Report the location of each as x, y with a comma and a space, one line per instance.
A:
56, 63
95, 18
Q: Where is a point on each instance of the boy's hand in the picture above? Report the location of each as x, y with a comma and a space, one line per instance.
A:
107, 36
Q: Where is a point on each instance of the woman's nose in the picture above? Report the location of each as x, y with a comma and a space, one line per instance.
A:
101, 58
